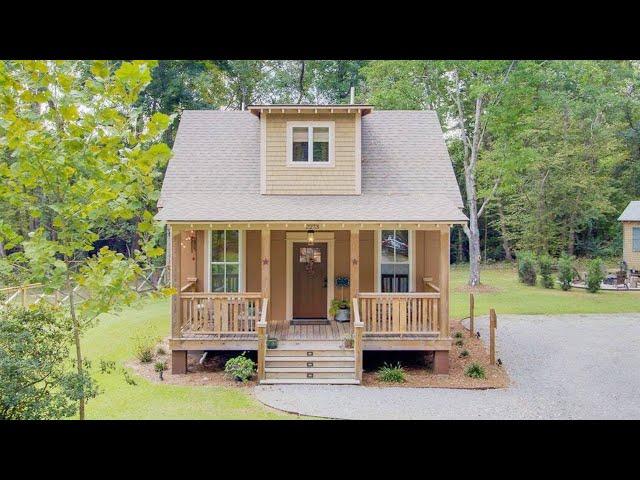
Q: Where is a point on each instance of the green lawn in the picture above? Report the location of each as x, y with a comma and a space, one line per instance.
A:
514, 297
114, 338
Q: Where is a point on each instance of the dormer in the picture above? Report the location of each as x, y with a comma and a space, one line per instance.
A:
310, 149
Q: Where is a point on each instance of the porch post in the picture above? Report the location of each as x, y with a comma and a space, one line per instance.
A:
178, 358
443, 310
266, 265
354, 275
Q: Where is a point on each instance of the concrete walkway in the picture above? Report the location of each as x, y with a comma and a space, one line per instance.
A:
561, 367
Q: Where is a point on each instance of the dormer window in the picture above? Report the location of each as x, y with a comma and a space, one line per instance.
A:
310, 144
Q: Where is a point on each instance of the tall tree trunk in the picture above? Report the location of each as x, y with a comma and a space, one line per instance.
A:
76, 339
460, 255
572, 241
301, 81
503, 233
3, 254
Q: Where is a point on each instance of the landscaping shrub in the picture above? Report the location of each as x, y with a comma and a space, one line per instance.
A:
526, 268
459, 342
565, 271
160, 367
240, 368
161, 350
544, 267
475, 370
390, 373
144, 349
595, 275
464, 353
457, 335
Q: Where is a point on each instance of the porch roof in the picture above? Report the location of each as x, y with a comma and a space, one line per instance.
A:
357, 208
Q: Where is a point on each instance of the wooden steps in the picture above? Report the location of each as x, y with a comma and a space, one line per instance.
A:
310, 362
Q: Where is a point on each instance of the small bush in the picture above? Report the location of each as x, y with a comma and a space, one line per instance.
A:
464, 354
160, 367
544, 267
475, 370
144, 353
565, 271
390, 373
144, 349
161, 351
457, 335
595, 275
240, 368
107, 366
526, 268
459, 342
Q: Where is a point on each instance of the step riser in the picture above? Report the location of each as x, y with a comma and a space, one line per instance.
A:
305, 381
310, 363
278, 352
303, 375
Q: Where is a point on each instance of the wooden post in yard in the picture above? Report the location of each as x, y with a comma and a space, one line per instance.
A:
471, 315
493, 324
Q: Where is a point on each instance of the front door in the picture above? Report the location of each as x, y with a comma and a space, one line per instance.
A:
309, 280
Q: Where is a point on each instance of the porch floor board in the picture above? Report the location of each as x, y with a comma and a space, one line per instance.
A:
282, 330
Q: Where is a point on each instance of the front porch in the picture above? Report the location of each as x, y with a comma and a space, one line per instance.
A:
413, 319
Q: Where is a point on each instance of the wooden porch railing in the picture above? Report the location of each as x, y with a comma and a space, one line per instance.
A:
358, 327
262, 339
220, 313
399, 313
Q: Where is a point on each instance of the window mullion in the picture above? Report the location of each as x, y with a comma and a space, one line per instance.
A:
310, 144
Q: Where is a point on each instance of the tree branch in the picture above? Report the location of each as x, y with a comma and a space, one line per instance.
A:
489, 197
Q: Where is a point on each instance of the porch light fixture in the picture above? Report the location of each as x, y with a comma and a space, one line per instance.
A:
310, 238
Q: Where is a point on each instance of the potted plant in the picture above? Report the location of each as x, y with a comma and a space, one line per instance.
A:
272, 342
340, 308
348, 340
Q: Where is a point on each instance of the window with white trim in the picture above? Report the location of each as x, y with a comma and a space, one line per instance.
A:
395, 260
225, 261
636, 239
310, 143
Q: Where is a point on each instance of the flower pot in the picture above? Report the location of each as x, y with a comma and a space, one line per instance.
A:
272, 343
342, 315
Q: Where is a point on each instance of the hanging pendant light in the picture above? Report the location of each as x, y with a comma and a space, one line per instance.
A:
310, 238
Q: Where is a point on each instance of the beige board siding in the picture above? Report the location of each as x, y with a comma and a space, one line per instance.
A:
632, 258
338, 179
427, 257
188, 255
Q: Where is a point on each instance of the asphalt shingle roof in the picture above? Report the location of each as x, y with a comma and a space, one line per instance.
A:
214, 174
631, 213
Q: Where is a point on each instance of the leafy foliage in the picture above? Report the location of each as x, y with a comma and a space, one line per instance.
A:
144, 349
337, 305
391, 373
595, 275
37, 380
545, 263
526, 268
240, 368
565, 271
475, 370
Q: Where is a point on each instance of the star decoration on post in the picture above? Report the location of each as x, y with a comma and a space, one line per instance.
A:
354, 261
265, 261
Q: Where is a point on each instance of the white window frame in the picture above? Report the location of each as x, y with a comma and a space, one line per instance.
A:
310, 125
241, 263
412, 257
633, 239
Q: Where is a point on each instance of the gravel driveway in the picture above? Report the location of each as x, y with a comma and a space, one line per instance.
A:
561, 367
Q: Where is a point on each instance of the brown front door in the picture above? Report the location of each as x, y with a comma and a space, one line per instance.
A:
309, 280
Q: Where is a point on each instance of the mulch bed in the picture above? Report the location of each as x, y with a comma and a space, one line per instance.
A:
421, 376
210, 373
417, 368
